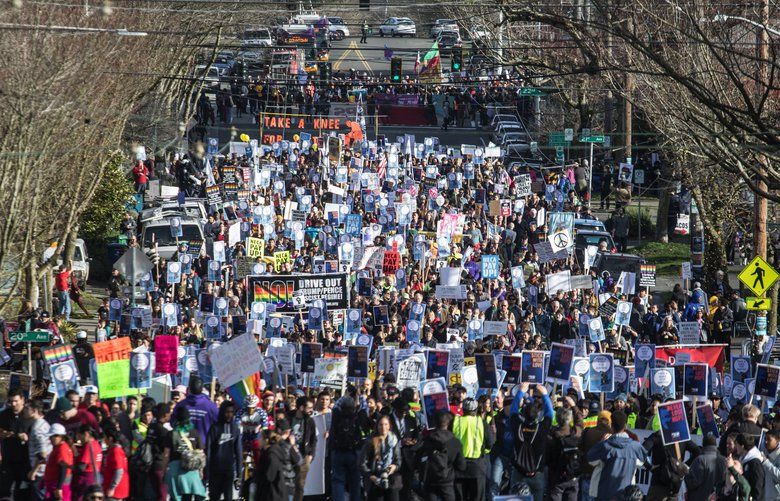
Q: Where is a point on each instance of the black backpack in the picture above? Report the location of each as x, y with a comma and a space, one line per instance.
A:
345, 433
435, 467
143, 457
526, 460
571, 457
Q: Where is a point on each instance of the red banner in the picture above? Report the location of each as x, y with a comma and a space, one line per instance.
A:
710, 354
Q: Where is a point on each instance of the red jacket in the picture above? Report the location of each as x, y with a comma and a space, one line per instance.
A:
141, 173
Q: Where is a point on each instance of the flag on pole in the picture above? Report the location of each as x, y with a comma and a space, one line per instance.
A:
381, 169
417, 63
431, 63
388, 53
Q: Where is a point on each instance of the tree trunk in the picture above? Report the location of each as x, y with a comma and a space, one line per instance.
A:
31, 289
70, 246
661, 223
714, 252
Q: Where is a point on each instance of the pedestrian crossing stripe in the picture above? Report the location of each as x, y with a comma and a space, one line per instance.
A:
758, 303
758, 276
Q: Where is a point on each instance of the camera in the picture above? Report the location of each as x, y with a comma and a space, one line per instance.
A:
384, 480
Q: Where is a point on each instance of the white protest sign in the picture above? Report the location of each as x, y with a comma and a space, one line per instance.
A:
236, 360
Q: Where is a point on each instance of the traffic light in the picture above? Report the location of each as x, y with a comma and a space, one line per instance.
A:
323, 70
396, 69
456, 60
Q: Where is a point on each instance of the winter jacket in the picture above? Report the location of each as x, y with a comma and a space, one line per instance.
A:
275, 471
203, 413
772, 475
223, 448
753, 471
707, 474
616, 460
664, 474
441, 441
375, 462
308, 445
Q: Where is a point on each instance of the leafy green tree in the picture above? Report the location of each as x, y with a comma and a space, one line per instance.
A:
100, 221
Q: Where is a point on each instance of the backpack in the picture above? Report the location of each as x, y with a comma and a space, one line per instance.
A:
435, 467
143, 457
289, 472
345, 433
571, 457
526, 461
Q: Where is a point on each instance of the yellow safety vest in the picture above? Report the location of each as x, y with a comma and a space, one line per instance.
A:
590, 422
470, 430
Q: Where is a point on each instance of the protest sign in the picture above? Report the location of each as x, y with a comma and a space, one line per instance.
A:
487, 376
409, 373
710, 354
280, 289
236, 359
166, 349
695, 379
437, 364
310, 352
65, 377
112, 360
494, 328
674, 422
706, 419
662, 382
561, 358
330, 372
596, 330
512, 365
523, 185
766, 381
532, 367
560, 281
689, 332
141, 369
357, 361
491, 266
601, 376
647, 274
740, 367
623, 313
435, 399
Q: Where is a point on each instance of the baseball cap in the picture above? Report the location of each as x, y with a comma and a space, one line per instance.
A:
57, 429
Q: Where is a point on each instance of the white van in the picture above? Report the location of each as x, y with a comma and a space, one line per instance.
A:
159, 231
81, 260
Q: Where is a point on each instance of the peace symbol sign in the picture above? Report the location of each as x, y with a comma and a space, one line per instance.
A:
561, 240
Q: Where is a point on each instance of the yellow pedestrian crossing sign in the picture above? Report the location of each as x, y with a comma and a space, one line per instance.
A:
758, 303
758, 276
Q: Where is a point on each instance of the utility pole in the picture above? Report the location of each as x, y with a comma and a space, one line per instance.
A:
761, 205
627, 113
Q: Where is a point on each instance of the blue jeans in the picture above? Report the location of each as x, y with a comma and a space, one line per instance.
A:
500, 464
64, 309
584, 488
537, 484
345, 474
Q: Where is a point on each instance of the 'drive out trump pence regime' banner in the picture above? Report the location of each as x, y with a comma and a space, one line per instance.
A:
280, 289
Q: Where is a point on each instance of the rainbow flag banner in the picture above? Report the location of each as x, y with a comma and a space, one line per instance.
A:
430, 69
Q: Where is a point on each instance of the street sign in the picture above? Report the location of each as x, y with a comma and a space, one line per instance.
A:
758, 303
592, 139
556, 139
758, 276
568, 134
29, 337
559, 154
532, 91
639, 177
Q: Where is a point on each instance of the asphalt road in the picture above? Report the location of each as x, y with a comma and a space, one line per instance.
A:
370, 57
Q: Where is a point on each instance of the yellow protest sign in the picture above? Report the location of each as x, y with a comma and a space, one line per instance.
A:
372, 370
758, 303
470, 361
758, 276
280, 258
255, 247
454, 378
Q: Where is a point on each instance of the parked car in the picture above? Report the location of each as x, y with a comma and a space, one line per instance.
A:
616, 263
443, 25
588, 225
209, 74
507, 127
501, 118
337, 28
257, 38
398, 26
80, 264
449, 39
513, 136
